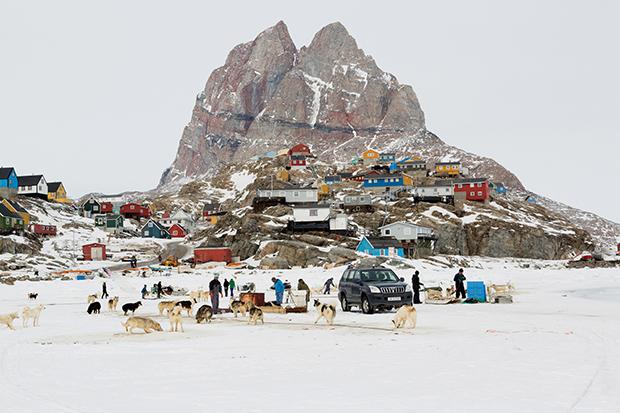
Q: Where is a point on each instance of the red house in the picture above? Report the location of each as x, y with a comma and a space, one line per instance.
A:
107, 207
136, 211
475, 189
297, 161
94, 252
299, 149
219, 254
177, 231
43, 229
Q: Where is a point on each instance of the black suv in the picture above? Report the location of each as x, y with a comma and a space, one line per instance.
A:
373, 288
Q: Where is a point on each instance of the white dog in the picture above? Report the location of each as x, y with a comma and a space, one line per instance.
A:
92, 298
326, 311
405, 314
176, 320
34, 313
7, 320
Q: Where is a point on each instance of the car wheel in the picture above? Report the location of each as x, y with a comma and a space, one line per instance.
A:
366, 307
344, 303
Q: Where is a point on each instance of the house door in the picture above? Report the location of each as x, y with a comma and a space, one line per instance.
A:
391, 252
97, 253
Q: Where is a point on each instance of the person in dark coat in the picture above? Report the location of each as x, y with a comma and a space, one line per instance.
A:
302, 286
327, 286
144, 292
159, 290
459, 283
104, 291
226, 284
215, 291
415, 284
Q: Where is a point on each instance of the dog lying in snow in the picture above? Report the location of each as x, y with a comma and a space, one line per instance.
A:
175, 318
326, 311
33, 296
240, 307
7, 320
34, 313
131, 307
94, 308
112, 304
92, 298
204, 313
405, 314
143, 323
256, 314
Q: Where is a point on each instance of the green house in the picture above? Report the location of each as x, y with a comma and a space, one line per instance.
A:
10, 221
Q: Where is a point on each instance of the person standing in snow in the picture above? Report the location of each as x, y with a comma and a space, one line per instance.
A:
327, 286
415, 284
232, 286
104, 291
144, 292
278, 286
215, 291
459, 283
159, 290
302, 286
226, 284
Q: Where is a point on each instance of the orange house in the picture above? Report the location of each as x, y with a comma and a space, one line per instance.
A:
370, 156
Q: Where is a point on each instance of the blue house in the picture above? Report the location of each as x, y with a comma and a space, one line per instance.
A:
8, 182
153, 229
384, 181
381, 247
387, 157
498, 187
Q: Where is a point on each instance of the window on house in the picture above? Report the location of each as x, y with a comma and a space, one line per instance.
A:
472, 194
314, 213
479, 185
388, 232
479, 193
296, 193
460, 186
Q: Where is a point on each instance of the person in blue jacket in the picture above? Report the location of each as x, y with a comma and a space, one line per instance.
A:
278, 285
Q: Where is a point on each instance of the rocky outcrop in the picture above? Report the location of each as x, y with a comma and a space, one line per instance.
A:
330, 95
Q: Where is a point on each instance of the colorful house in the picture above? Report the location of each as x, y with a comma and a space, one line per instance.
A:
91, 207
381, 247
448, 168
56, 192
9, 221
153, 229
333, 179
441, 191
299, 149
32, 185
107, 207
498, 187
8, 182
216, 254
45, 230
384, 182
114, 223
211, 209
297, 162
135, 211
179, 217
474, 189
94, 252
13, 206
177, 231
387, 157
370, 156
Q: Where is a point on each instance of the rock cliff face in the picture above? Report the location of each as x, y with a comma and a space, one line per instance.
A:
330, 95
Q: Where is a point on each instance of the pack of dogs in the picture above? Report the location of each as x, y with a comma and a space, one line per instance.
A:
406, 315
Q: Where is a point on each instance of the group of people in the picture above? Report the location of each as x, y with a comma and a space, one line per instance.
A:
459, 285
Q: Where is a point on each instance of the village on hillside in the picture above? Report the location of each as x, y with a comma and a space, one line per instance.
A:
318, 200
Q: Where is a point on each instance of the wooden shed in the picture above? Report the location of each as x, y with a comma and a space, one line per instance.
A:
94, 252
217, 254
40, 229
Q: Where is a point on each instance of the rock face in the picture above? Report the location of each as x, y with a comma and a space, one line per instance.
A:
329, 95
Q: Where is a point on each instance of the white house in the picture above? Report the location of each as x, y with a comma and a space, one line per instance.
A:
318, 217
437, 190
181, 218
405, 231
311, 213
32, 185
291, 195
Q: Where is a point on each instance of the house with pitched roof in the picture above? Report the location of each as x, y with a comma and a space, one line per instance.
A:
153, 229
9, 221
14, 206
8, 182
56, 192
32, 185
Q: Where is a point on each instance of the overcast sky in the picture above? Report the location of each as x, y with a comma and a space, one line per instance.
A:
97, 94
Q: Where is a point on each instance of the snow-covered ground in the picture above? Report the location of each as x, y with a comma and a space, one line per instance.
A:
556, 349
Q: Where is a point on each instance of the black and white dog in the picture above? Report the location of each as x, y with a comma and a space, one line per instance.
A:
131, 307
326, 311
94, 308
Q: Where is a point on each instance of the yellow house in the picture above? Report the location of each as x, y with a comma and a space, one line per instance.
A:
17, 208
56, 192
448, 168
323, 189
282, 175
370, 156
407, 180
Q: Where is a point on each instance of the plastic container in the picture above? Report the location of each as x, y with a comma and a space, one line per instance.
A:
477, 291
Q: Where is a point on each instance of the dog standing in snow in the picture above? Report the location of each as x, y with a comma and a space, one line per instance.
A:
112, 304
143, 323
405, 314
92, 298
256, 315
326, 311
176, 320
34, 313
7, 320
33, 296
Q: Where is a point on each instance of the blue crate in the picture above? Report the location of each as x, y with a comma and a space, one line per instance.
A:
477, 290
80, 277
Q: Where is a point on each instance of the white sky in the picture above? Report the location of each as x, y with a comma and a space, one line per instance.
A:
97, 94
